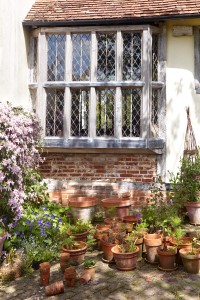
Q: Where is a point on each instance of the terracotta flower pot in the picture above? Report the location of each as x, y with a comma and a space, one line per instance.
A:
70, 276
152, 241
88, 274
122, 205
193, 210
125, 261
191, 262
167, 258
107, 253
44, 273
100, 231
2, 240
83, 207
186, 242
76, 255
64, 259
79, 236
54, 288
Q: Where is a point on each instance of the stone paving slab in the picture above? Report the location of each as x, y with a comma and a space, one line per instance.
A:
145, 282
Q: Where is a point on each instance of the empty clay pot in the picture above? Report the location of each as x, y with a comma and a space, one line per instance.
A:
54, 288
44, 273
70, 276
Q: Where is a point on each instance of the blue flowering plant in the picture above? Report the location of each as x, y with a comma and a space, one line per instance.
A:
19, 161
40, 231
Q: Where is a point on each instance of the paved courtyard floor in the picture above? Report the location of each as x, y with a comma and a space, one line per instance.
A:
145, 282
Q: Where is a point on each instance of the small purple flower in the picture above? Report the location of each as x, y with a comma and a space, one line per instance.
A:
44, 208
60, 220
139, 221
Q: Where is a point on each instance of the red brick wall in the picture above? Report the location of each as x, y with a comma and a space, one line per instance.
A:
100, 175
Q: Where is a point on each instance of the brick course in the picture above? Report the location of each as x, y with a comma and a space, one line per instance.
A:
100, 175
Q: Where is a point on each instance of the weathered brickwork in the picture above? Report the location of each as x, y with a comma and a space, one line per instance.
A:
100, 175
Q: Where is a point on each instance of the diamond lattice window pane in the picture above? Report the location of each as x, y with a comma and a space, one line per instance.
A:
132, 56
81, 57
131, 110
154, 57
79, 112
154, 112
105, 112
54, 112
35, 58
106, 56
56, 57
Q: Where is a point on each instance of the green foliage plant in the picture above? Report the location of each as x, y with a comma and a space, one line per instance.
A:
89, 263
186, 183
129, 243
160, 213
79, 227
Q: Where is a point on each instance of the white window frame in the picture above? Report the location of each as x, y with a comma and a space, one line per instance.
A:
145, 83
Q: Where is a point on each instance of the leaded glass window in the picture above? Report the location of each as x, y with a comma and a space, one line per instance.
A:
131, 112
132, 56
79, 112
56, 57
105, 112
106, 56
81, 57
55, 112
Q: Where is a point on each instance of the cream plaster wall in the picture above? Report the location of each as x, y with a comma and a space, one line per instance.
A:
180, 93
180, 74
13, 57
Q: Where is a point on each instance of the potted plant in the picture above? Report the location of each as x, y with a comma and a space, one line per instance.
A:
167, 257
108, 240
76, 249
180, 241
126, 254
89, 266
186, 187
79, 230
191, 258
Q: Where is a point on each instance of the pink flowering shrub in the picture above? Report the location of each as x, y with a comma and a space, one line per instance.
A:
19, 160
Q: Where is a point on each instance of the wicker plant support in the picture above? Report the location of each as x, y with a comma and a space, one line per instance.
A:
190, 145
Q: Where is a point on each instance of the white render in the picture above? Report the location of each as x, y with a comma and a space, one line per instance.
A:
180, 88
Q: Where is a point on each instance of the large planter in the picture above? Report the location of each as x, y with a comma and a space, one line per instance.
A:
152, 241
191, 262
76, 255
193, 211
125, 261
185, 242
167, 258
83, 208
122, 206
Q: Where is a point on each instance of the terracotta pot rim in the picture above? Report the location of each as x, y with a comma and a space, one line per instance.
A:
106, 243
185, 252
115, 252
114, 201
167, 253
77, 234
186, 241
82, 244
129, 219
83, 201
192, 204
